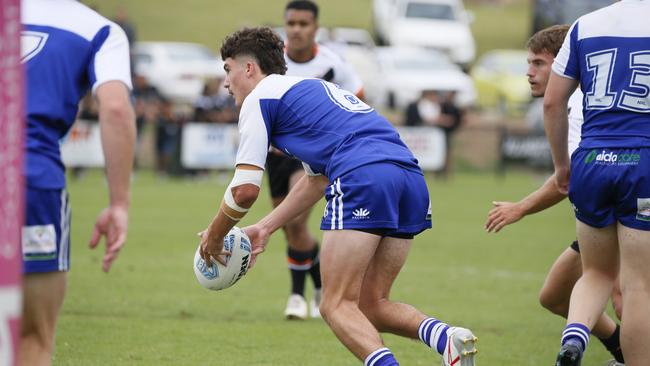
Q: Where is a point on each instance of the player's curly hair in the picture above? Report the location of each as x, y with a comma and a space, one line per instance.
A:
261, 43
548, 39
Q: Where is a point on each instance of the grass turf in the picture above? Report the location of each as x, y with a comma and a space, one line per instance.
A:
150, 311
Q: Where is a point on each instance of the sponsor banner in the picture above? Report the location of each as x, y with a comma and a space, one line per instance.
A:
528, 148
11, 178
214, 146
428, 144
82, 146
209, 146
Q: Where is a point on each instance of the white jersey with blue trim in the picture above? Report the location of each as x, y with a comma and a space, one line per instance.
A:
608, 52
67, 49
575, 120
326, 65
324, 126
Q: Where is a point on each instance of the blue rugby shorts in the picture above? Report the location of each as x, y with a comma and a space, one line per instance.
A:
610, 185
378, 196
46, 233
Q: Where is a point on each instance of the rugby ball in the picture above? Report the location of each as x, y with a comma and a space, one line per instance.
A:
218, 276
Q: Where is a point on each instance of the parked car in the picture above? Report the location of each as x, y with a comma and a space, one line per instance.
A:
501, 81
436, 24
407, 71
178, 70
551, 12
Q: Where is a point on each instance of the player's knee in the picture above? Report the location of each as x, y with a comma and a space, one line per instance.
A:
298, 236
552, 302
39, 336
371, 308
327, 308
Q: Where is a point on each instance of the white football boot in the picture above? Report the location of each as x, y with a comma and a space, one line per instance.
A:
296, 308
314, 304
460, 349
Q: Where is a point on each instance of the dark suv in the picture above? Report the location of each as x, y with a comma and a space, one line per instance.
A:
551, 12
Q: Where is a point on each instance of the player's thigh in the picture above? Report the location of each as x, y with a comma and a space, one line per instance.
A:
564, 273
387, 262
598, 248
635, 257
344, 260
43, 295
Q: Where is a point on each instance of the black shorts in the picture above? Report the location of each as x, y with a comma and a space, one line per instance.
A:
279, 169
575, 246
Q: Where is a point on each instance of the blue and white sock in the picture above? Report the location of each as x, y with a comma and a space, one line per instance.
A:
576, 332
433, 333
381, 357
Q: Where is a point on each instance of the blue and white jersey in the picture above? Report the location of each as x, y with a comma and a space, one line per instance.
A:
315, 121
608, 52
67, 49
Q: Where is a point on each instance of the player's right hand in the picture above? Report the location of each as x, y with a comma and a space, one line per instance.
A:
503, 213
259, 237
112, 223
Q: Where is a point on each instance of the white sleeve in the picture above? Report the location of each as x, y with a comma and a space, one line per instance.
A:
112, 60
347, 78
575, 120
253, 134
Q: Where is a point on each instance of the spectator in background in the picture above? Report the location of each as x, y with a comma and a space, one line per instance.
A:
147, 102
214, 105
122, 19
168, 135
430, 110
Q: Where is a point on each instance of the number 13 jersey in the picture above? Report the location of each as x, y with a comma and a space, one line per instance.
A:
608, 52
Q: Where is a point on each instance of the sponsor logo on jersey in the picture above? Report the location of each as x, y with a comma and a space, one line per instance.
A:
360, 213
643, 209
605, 157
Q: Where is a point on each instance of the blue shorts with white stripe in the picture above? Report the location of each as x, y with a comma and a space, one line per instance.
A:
46, 233
378, 196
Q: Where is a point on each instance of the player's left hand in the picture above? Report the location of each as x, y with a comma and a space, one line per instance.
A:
259, 237
112, 223
503, 213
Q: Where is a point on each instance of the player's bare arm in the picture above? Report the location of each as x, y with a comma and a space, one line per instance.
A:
506, 213
238, 199
307, 191
556, 124
117, 123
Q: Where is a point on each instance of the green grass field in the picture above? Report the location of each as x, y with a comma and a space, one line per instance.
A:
150, 310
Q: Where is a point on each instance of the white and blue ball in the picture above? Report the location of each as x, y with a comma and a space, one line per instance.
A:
218, 276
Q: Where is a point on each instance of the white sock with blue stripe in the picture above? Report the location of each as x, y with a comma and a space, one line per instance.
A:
381, 357
576, 332
433, 333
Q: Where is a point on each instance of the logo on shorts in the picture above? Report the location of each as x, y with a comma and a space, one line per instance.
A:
611, 158
360, 213
643, 209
